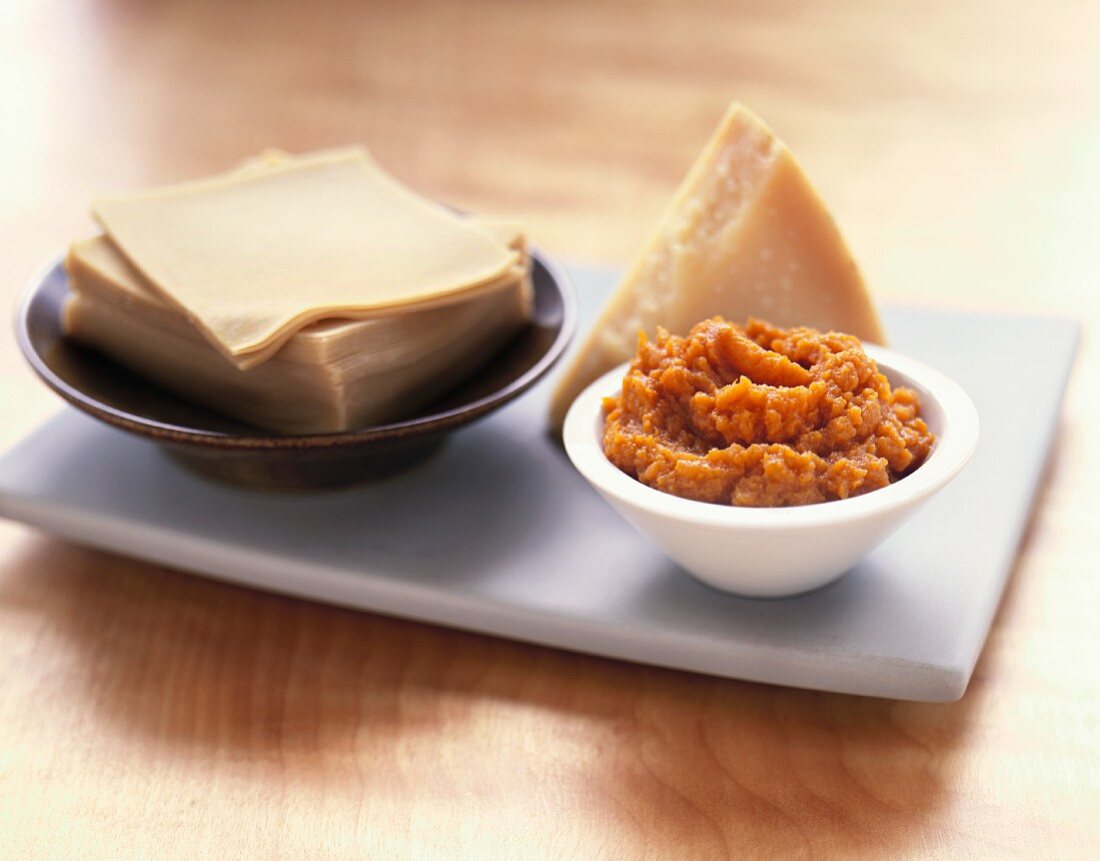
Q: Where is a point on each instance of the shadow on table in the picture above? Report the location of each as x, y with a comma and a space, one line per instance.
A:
680, 764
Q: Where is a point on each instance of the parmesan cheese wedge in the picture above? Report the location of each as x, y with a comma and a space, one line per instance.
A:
744, 235
252, 256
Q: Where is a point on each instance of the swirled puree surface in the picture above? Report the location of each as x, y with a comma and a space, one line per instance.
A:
755, 415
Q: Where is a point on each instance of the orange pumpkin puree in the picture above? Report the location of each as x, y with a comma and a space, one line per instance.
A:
762, 416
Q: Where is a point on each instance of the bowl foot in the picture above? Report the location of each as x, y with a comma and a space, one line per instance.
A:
303, 470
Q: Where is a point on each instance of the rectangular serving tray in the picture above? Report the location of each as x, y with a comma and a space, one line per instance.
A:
499, 534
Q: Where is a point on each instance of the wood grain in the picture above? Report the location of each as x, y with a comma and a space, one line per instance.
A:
144, 712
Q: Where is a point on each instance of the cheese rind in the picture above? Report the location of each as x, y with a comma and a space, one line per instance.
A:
255, 255
744, 235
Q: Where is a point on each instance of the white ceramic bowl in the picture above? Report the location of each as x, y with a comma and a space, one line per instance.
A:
774, 552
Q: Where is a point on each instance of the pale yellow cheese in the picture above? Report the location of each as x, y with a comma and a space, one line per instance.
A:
744, 235
253, 256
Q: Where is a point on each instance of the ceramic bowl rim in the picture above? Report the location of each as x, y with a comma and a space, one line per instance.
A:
953, 449
182, 434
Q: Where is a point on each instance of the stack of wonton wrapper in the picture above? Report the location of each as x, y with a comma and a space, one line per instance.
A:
302, 294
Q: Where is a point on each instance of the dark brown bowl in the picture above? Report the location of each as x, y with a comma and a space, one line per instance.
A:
230, 451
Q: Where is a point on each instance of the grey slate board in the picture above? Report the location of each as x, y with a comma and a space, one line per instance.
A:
499, 534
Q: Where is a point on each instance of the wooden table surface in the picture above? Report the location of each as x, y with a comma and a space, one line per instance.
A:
147, 713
